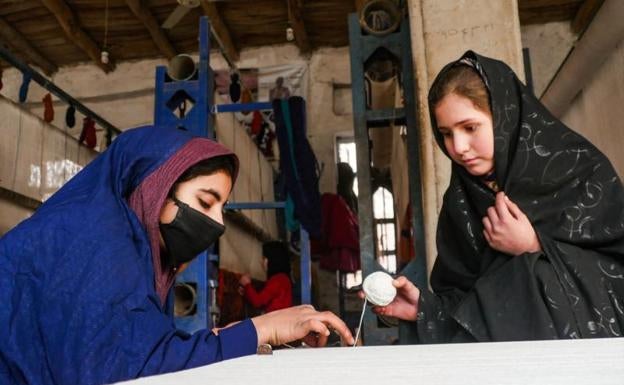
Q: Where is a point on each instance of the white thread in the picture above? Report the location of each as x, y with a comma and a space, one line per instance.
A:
379, 289
357, 335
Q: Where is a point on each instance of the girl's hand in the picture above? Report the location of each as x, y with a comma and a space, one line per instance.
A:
405, 304
507, 229
244, 280
299, 322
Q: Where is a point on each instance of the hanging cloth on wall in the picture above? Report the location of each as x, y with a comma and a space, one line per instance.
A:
339, 244
48, 108
23, 91
256, 123
235, 88
70, 116
292, 224
88, 133
298, 163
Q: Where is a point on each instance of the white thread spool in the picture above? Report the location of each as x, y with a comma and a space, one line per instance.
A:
379, 289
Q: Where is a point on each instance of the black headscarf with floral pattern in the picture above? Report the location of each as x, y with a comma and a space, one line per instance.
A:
574, 199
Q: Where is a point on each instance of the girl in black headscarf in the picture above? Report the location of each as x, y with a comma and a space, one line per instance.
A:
531, 233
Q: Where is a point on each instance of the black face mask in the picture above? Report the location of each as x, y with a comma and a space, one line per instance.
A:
190, 233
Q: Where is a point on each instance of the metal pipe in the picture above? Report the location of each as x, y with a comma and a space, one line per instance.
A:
238, 107
185, 299
53, 88
181, 67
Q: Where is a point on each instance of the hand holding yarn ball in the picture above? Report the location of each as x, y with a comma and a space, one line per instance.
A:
403, 304
378, 288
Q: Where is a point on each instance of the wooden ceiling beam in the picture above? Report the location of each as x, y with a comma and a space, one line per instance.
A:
585, 14
19, 42
546, 3
295, 19
74, 32
359, 4
220, 32
158, 36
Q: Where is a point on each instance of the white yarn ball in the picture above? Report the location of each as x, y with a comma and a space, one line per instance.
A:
378, 288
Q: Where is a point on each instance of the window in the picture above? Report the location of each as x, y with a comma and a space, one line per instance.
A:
383, 210
346, 154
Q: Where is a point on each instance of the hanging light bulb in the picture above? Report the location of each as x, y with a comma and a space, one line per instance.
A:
290, 34
104, 56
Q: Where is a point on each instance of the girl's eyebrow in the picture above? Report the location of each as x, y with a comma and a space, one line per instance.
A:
456, 124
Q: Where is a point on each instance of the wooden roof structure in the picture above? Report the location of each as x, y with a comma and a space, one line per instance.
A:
55, 33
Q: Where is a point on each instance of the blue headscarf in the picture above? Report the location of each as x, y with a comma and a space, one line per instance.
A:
79, 304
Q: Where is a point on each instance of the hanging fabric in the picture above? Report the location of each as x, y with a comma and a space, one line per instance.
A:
339, 244
256, 123
88, 133
298, 162
48, 108
70, 116
235, 88
23, 91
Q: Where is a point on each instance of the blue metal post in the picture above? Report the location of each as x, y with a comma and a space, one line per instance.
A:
170, 94
238, 107
362, 47
198, 90
306, 269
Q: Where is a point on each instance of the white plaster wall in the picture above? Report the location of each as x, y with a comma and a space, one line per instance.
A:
12, 214
328, 66
597, 111
240, 252
36, 158
548, 45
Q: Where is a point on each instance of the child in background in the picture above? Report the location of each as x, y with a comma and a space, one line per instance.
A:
277, 291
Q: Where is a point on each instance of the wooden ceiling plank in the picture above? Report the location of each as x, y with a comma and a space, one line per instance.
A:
221, 32
19, 42
148, 19
585, 14
525, 4
359, 4
74, 32
295, 18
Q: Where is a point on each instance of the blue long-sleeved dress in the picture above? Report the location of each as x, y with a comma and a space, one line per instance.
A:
77, 297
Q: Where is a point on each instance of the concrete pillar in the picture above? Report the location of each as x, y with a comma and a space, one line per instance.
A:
442, 30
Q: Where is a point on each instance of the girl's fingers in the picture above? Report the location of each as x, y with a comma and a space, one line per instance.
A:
501, 206
487, 237
328, 318
493, 216
321, 330
400, 281
513, 208
487, 224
